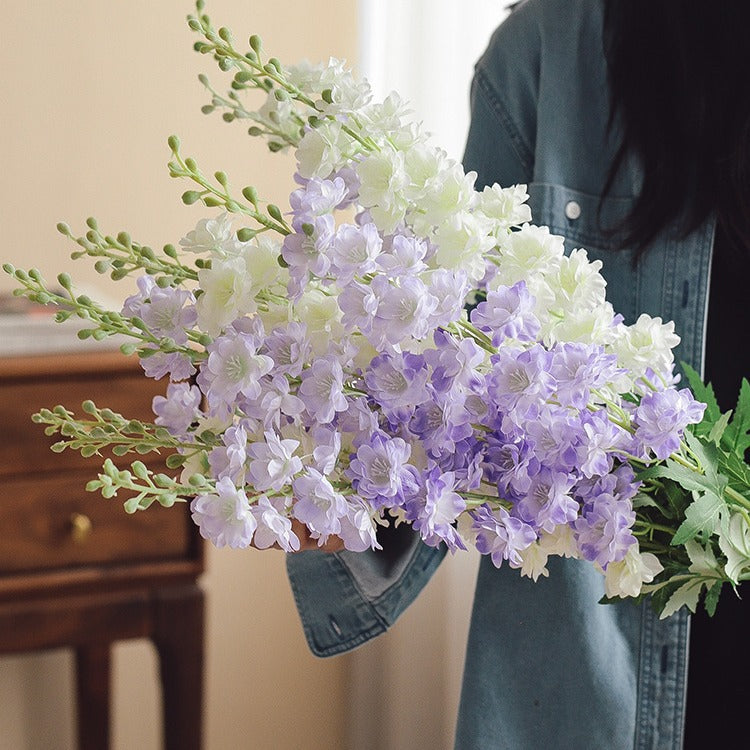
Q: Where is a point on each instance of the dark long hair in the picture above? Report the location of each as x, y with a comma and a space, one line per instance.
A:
679, 77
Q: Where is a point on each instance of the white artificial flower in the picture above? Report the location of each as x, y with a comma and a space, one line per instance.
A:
528, 251
381, 119
322, 316
382, 182
585, 326
442, 189
560, 541
626, 577
323, 149
228, 293
214, 236
534, 561
647, 344
577, 283
462, 243
506, 207
261, 256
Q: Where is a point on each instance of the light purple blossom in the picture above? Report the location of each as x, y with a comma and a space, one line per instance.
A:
442, 421
433, 512
662, 417
289, 348
322, 389
454, 362
317, 198
604, 529
179, 408
234, 367
272, 462
230, 459
358, 530
169, 312
176, 365
381, 471
224, 517
318, 505
508, 313
579, 368
355, 250
549, 502
274, 527
403, 257
500, 535
449, 287
398, 383
520, 380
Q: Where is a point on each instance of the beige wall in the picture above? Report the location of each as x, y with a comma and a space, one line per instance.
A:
90, 90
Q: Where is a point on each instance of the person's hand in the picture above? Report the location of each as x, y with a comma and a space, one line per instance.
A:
306, 542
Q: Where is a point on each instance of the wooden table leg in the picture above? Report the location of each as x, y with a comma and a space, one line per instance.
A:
178, 636
92, 690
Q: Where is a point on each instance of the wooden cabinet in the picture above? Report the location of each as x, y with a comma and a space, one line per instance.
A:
75, 569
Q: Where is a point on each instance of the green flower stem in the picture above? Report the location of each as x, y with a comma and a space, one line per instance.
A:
213, 196
121, 256
737, 498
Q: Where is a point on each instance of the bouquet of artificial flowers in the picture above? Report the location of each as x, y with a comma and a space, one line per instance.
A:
397, 347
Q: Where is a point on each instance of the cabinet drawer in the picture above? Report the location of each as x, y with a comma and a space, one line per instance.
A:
36, 518
26, 447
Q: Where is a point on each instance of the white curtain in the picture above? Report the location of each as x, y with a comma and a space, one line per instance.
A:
426, 50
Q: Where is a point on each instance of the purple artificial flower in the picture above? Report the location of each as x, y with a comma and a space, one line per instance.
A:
500, 535
508, 313
454, 362
398, 383
579, 368
308, 252
322, 389
604, 529
169, 312
602, 440
289, 348
230, 460
358, 530
555, 434
327, 443
224, 517
403, 257
233, 367
442, 421
317, 198
274, 402
318, 505
510, 464
133, 305
520, 380
355, 250
661, 419
380, 471
176, 365
549, 502
435, 509
359, 304
179, 409
405, 311
273, 526
449, 287
273, 463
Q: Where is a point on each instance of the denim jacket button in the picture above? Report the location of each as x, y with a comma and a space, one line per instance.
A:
572, 210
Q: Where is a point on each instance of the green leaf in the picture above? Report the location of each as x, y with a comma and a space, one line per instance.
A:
719, 427
702, 515
686, 596
712, 598
737, 434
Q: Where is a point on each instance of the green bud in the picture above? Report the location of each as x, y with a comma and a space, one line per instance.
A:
243, 76
207, 109
170, 251
83, 300
281, 95
225, 64
254, 131
128, 349
147, 253
132, 505
191, 164
91, 223
327, 96
118, 275
203, 79
84, 333
9, 269
313, 121
139, 469
232, 206
194, 24
191, 196
63, 228
175, 461
225, 34
245, 234
64, 280
255, 44
204, 339
274, 212
36, 275
200, 5
102, 266
228, 117
124, 239
274, 147
197, 480
212, 202
251, 57
251, 194
173, 142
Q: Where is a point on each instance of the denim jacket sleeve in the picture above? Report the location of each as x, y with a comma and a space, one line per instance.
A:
346, 598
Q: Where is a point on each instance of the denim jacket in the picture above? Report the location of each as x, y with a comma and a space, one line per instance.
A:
547, 667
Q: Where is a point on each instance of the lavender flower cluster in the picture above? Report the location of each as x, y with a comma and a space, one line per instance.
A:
346, 385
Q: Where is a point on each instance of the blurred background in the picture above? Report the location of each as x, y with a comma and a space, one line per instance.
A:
90, 92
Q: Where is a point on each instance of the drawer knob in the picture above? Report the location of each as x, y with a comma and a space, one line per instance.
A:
80, 527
